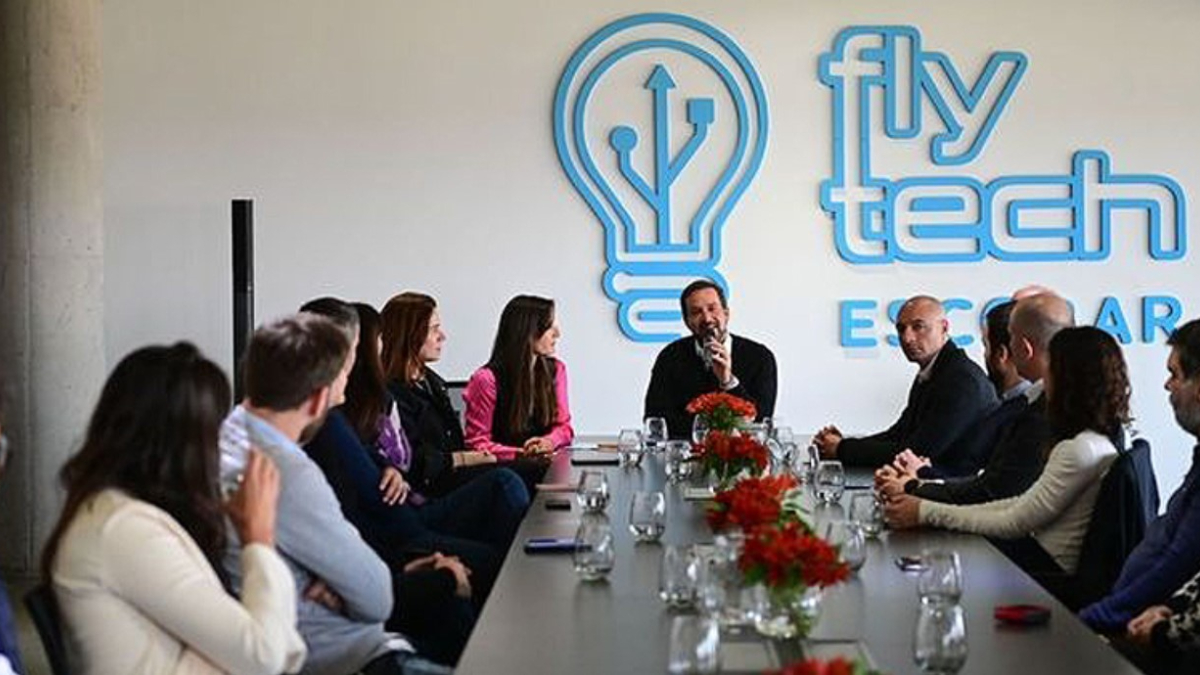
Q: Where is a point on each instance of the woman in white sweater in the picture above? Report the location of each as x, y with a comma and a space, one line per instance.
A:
133, 559
1087, 391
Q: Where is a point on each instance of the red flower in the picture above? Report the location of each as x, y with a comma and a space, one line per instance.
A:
752, 502
788, 555
727, 454
714, 401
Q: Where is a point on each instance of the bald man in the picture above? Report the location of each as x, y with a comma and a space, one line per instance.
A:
949, 395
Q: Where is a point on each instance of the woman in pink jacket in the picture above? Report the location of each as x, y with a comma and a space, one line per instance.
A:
517, 403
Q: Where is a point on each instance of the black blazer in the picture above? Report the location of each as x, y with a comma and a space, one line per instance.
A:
680, 375
971, 451
1016, 462
939, 411
432, 428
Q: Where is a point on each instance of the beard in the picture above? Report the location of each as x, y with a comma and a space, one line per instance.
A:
1187, 416
313, 427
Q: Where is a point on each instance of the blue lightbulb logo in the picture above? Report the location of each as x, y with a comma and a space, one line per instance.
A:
657, 238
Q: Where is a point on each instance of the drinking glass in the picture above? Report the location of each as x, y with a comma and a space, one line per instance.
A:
679, 464
759, 432
848, 537
941, 578
830, 481
677, 577
629, 447
592, 492
647, 516
711, 570
594, 552
867, 511
940, 638
695, 645
784, 435
699, 429
655, 433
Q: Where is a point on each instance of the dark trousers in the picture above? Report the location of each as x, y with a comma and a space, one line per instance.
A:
430, 615
531, 470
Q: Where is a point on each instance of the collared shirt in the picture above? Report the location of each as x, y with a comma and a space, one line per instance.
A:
728, 344
243, 429
1034, 391
1016, 390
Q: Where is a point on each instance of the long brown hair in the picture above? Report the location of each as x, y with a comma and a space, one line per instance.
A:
154, 436
525, 400
366, 389
405, 327
1089, 385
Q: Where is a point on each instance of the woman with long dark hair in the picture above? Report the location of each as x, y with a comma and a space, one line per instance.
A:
133, 559
517, 403
413, 340
1087, 390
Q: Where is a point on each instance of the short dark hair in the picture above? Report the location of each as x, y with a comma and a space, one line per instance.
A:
290, 358
697, 286
336, 310
996, 322
1186, 341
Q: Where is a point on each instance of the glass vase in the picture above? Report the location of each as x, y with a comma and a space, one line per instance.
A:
786, 613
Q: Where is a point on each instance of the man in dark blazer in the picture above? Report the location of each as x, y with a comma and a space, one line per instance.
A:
1019, 452
950, 393
710, 359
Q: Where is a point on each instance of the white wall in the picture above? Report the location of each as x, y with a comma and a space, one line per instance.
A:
401, 145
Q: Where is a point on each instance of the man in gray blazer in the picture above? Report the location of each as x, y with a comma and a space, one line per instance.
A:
296, 368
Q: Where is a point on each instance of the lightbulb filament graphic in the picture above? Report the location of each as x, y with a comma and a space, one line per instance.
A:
658, 235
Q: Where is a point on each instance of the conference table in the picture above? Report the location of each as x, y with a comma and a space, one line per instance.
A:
542, 618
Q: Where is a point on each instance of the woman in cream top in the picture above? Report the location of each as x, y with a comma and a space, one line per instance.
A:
1087, 390
130, 560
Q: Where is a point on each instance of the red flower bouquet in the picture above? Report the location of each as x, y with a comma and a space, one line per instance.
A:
723, 412
789, 556
752, 502
726, 455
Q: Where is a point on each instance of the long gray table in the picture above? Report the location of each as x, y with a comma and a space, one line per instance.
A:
541, 618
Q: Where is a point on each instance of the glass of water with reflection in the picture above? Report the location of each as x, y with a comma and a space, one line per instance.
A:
699, 429
629, 447
594, 553
830, 481
655, 433
940, 638
647, 516
592, 491
679, 460
867, 511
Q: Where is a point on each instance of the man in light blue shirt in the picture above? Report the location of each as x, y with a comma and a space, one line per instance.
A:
295, 369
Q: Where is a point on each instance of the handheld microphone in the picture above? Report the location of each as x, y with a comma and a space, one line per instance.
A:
710, 337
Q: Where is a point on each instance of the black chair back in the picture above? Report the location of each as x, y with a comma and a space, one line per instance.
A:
1127, 503
43, 609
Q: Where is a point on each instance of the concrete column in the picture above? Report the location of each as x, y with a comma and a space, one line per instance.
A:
51, 254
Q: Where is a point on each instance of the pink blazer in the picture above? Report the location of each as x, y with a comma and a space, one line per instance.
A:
480, 397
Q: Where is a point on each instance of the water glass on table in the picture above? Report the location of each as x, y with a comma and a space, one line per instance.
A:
850, 541
830, 481
592, 491
655, 433
695, 645
677, 577
679, 460
629, 447
940, 638
647, 516
941, 578
594, 552
867, 511
699, 429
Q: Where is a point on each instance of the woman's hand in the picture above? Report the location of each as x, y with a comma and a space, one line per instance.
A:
902, 511
393, 486
538, 445
252, 507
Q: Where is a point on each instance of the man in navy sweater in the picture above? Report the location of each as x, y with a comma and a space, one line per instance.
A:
710, 359
1169, 554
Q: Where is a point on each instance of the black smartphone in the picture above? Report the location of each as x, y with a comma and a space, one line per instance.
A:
910, 563
558, 504
550, 545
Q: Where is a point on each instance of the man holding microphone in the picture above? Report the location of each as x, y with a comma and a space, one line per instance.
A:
710, 359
